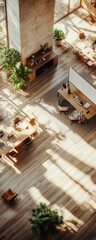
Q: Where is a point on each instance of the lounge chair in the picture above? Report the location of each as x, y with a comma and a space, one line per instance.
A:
8, 195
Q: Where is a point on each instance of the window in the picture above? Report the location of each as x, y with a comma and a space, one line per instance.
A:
3, 33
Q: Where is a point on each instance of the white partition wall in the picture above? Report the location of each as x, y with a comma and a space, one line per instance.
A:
79, 82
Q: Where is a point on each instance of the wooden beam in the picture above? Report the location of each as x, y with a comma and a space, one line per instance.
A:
68, 6
80, 2
5, 9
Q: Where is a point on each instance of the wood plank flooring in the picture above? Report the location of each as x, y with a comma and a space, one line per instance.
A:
54, 169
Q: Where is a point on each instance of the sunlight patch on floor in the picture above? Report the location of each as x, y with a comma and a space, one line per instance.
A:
37, 196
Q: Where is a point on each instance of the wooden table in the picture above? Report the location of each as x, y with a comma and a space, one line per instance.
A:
18, 136
84, 48
73, 100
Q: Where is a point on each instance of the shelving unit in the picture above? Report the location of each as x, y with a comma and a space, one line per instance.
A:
41, 61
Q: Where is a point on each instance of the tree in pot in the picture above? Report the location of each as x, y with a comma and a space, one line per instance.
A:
44, 220
9, 57
58, 36
19, 78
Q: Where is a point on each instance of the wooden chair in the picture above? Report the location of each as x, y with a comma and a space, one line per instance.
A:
33, 123
82, 36
62, 109
76, 116
12, 155
28, 141
8, 195
16, 121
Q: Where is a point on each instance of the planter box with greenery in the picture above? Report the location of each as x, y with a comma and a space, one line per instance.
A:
44, 220
58, 36
20, 78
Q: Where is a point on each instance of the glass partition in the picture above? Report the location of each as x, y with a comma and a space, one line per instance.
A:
2, 12
61, 9
64, 7
2, 23
74, 4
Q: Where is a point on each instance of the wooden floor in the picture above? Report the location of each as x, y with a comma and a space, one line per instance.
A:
54, 169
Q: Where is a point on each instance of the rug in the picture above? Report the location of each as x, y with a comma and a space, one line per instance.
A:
48, 104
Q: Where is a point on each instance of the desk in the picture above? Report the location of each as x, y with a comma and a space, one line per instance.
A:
18, 137
71, 98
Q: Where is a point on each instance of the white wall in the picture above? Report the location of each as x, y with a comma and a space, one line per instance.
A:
13, 24
87, 89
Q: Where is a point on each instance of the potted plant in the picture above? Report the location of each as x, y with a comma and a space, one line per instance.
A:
20, 78
58, 36
44, 220
9, 57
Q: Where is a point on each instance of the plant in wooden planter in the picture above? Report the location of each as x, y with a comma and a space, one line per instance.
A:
20, 78
9, 57
58, 36
44, 220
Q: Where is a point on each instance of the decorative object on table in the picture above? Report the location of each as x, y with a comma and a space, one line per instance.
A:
80, 102
82, 36
58, 36
45, 47
44, 220
2, 144
7, 142
8, 195
64, 85
87, 105
11, 135
69, 91
1, 133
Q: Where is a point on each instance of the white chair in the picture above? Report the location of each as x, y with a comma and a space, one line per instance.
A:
76, 116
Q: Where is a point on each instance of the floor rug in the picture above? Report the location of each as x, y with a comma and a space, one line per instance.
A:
48, 104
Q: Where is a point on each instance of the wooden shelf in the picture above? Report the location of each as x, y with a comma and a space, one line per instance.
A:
50, 57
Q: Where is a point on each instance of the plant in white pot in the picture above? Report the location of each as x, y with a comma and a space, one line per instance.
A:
58, 36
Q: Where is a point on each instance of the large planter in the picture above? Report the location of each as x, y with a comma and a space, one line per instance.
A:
58, 42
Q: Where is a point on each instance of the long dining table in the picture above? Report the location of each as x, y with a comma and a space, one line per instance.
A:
14, 136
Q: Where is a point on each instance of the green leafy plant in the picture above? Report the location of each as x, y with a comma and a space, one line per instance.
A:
58, 35
9, 57
2, 45
45, 220
20, 76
